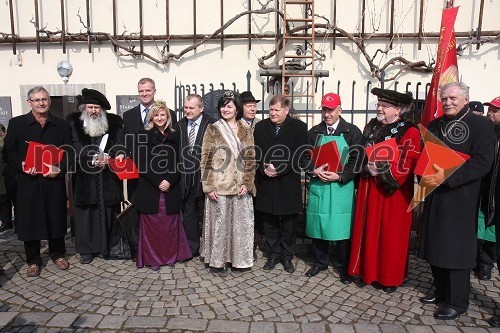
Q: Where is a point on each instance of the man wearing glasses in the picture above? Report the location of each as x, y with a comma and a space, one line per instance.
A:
41, 212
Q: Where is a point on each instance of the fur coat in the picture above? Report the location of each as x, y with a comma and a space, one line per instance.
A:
219, 166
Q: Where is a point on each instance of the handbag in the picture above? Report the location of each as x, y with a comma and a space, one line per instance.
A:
124, 236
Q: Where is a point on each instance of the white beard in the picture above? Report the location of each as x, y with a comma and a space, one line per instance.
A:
95, 127
380, 117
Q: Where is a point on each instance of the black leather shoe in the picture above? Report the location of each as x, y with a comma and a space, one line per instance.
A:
484, 272
429, 299
313, 271
344, 278
494, 321
447, 313
271, 263
390, 289
288, 266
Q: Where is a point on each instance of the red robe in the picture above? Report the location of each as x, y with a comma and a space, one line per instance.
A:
382, 222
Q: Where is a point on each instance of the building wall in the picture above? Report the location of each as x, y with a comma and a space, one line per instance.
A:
119, 75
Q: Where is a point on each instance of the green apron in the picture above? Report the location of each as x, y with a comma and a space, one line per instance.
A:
487, 234
330, 205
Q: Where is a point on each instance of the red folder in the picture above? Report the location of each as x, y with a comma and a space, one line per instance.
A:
39, 153
385, 151
125, 169
440, 155
327, 153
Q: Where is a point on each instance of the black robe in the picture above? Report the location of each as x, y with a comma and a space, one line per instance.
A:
98, 191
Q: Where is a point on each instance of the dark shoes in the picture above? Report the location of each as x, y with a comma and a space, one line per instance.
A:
33, 270
344, 278
390, 289
484, 272
313, 271
447, 313
86, 258
271, 263
288, 266
222, 272
494, 321
61, 263
429, 299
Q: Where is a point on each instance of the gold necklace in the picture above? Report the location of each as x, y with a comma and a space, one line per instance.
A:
445, 133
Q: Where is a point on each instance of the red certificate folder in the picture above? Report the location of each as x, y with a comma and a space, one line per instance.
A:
39, 153
440, 155
125, 169
385, 151
327, 154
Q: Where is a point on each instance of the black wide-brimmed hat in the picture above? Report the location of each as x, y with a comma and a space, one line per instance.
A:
247, 96
393, 97
91, 96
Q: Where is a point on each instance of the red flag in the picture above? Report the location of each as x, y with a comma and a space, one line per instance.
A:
446, 69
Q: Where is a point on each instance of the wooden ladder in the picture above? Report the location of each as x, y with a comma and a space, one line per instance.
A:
289, 57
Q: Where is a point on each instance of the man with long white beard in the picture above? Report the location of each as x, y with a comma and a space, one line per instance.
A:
98, 191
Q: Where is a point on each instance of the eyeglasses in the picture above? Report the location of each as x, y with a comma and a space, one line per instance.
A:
38, 100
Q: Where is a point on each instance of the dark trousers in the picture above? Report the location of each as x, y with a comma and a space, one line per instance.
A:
280, 231
486, 253
191, 216
5, 209
321, 249
452, 286
57, 249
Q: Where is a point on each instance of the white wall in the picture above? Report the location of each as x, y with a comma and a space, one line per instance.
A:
478, 68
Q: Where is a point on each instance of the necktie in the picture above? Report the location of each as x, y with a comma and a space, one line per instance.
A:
330, 130
277, 129
191, 134
146, 111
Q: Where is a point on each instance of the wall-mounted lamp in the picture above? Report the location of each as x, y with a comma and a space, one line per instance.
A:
64, 69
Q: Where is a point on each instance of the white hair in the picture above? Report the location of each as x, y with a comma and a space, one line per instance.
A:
95, 127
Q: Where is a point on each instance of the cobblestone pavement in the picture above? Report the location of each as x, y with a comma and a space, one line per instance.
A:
110, 296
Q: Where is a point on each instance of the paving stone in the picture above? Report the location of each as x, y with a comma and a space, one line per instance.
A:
33, 318
261, 327
287, 327
366, 328
187, 324
446, 329
88, 321
63, 319
228, 326
419, 329
112, 322
313, 328
6, 317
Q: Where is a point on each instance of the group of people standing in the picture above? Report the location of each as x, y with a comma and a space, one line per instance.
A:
238, 171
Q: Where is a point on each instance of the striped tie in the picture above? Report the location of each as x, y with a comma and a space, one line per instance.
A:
146, 111
191, 134
277, 129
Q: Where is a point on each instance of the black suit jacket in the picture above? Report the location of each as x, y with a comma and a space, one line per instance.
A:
190, 160
133, 123
160, 163
280, 195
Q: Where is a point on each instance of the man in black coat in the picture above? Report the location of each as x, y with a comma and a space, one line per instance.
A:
451, 210
97, 136
280, 142
41, 203
191, 129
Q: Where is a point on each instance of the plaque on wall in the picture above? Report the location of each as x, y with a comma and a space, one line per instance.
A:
5, 110
126, 102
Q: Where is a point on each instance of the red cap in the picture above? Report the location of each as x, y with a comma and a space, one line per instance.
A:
330, 100
495, 102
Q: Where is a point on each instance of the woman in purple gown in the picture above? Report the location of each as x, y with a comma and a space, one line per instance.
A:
162, 240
